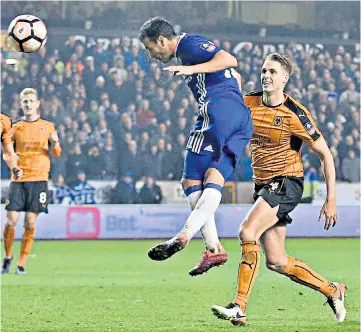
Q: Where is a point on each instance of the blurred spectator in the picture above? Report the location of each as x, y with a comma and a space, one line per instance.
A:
109, 156
151, 162
144, 143
95, 164
130, 161
150, 192
124, 191
61, 192
350, 95
345, 146
311, 178
76, 160
168, 168
351, 167
89, 76
81, 192
144, 114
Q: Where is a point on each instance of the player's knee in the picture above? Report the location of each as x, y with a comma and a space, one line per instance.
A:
276, 265
30, 220
11, 222
29, 224
246, 233
12, 219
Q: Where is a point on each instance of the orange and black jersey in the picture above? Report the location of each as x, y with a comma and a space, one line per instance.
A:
6, 130
31, 141
278, 135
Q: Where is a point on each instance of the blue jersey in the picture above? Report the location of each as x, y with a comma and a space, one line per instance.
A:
82, 193
195, 49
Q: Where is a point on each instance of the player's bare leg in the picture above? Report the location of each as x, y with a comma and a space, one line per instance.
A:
273, 243
259, 219
9, 234
27, 241
204, 209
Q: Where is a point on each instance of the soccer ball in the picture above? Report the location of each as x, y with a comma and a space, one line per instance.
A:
27, 33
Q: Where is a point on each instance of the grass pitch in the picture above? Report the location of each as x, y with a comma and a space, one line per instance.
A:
114, 286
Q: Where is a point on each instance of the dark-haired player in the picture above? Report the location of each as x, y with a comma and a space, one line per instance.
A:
216, 143
281, 124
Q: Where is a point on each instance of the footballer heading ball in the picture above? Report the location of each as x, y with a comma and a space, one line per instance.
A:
27, 33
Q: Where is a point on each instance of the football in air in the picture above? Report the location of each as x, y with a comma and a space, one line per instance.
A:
27, 33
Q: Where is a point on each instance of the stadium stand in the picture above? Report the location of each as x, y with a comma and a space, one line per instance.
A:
116, 109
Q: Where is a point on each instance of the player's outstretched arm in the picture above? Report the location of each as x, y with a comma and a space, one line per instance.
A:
10, 158
55, 144
222, 60
328, 166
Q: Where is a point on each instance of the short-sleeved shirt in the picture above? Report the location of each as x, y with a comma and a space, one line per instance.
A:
195, 49
278, 135
6, 130
31, 140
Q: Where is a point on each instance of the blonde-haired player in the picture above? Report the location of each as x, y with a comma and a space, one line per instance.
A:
32, 137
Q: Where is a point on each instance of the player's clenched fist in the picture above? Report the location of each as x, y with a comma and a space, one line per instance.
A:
54, 137
17, 172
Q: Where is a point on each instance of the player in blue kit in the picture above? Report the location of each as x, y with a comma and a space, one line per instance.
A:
216, 143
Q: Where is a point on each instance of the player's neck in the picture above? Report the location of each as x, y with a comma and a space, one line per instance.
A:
273, 99
175, 42
31, 118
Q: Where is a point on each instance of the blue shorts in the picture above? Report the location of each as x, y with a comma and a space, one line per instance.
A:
222, 131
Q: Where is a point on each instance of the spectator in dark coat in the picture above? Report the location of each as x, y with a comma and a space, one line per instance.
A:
124, 191
351, 167
150, 193
75, 161
94, 167
89, 76
130, 161
169, 164
151, 163
110, 158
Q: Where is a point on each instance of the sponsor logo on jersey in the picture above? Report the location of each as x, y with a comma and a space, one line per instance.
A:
209, 46
310, 128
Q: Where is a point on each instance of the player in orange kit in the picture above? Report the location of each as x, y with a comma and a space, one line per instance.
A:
29, 193
281, 125
7, 145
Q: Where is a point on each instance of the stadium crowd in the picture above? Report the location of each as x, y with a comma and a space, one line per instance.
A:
119, 115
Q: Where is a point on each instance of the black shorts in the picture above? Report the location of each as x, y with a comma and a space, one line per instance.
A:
28, 197
283, 191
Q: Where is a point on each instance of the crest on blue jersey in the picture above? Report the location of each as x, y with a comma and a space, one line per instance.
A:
209, 46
